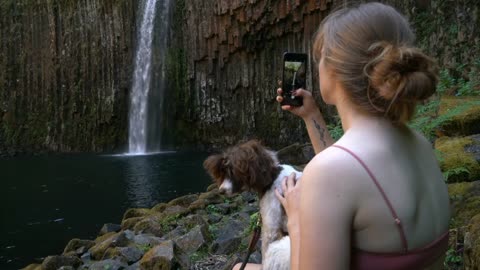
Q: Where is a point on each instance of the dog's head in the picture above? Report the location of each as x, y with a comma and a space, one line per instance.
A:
247, 166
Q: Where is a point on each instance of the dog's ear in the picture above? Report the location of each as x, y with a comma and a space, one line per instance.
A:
214, 166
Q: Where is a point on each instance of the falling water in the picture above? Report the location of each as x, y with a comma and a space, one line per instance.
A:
138, 125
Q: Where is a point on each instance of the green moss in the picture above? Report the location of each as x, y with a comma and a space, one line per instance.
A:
455, 159
465, 200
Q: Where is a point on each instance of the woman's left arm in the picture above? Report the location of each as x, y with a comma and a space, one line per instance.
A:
320, 219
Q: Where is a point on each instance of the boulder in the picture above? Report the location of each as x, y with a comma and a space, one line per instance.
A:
129, 254
229, 236
296, 154
159, 207
55, 262
33, 266
465, 202
136, 212
459, 158
152, 225
193, 240
462, 116
117, 240
471, 255
108, 264
77, 244
160, 257
129, 223
110, 227
184, 201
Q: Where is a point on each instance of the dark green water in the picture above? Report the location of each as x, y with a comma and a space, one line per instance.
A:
46, 201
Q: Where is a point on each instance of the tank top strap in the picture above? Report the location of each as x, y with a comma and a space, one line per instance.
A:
385, 198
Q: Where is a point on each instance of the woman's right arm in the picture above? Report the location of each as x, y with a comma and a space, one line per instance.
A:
313, 118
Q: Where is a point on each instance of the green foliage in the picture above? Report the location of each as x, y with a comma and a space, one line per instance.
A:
427, 119
453, 259
455, 172
336, 130
253, 221
212, 209
144, 247
199, 255
167, 223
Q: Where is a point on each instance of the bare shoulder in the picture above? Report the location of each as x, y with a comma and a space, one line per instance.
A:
332, 169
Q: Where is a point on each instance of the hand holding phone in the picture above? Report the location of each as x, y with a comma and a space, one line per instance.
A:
294, 77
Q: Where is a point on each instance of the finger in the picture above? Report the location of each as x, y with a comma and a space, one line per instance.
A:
279, 196
286, 107
291, 180
301, 92
279, 91
284, 184
279, 98
279, 83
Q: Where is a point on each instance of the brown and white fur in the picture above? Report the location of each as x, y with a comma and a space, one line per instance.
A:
251, 166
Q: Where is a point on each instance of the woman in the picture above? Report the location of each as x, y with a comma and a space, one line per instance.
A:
376, 198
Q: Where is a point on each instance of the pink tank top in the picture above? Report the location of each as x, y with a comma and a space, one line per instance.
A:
408, 259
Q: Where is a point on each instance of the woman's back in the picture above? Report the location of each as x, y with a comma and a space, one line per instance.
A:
405, 167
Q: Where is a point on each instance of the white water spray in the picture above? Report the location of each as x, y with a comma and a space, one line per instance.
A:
138, 122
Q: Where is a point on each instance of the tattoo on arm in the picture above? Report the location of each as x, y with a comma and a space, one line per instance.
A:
321, 131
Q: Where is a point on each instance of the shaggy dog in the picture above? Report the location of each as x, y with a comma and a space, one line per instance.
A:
250, 166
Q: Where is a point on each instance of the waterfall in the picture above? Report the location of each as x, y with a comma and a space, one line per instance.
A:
139, 98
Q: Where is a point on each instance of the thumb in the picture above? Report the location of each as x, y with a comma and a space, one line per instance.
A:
302, 93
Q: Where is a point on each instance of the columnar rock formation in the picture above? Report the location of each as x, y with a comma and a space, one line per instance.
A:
65, 73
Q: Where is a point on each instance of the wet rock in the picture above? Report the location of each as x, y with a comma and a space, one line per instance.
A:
229, 236
160, 257
129, 254
160, 207
129, 223
136, 212
177, 210
110, 227
465, 202
75, 245
212, 187
117, 240
184, 201
175, 233
146, 240
193, 240
55, 262
152, 225
472, 244
33, 266
108, 264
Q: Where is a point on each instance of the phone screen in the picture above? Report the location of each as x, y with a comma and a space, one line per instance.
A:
294, 75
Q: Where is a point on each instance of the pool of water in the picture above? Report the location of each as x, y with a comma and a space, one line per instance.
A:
46, 201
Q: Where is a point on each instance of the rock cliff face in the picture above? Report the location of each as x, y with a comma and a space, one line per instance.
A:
65, 73
231, 56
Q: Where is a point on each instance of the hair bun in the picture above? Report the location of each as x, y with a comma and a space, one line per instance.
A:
401, 73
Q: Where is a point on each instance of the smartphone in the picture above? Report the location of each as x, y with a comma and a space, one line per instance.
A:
294, 77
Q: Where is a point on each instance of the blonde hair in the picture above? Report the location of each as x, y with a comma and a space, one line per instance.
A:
370, 49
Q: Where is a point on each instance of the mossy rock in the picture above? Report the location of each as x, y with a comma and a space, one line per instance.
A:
33, 266
457, 163
184, 201
465, 202
471, 255
129, 223
151, 224
212, 187
136, 212
463, 116
159, 207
